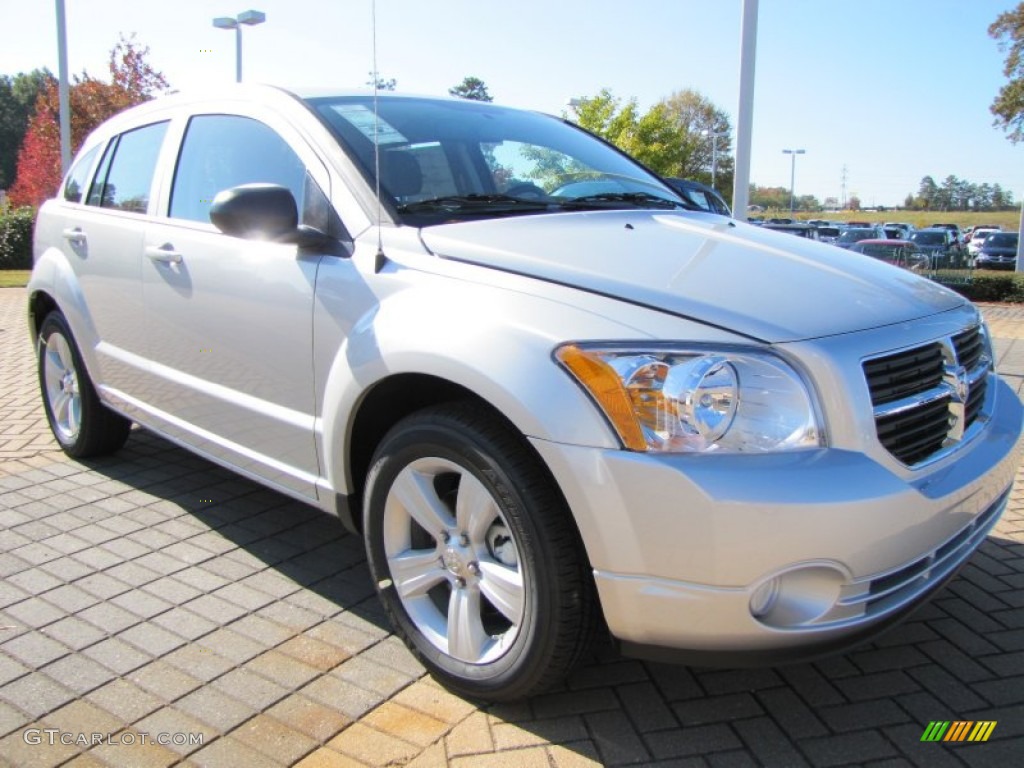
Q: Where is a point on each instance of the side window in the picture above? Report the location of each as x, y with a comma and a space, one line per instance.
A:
223, 151
74, 187
126, 173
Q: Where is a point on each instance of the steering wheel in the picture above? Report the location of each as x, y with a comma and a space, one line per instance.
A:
525, 189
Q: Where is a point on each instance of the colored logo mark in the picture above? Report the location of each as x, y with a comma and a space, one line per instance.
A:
959, 730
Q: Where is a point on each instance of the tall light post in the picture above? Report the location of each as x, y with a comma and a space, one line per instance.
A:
251, 18
714, 152
792, 172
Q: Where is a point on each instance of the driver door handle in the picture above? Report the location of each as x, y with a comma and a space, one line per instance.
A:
165, 254
75, 236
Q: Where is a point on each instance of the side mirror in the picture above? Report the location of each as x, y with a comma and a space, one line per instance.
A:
263, 212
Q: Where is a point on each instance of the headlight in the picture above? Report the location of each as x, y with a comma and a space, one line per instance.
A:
697, 401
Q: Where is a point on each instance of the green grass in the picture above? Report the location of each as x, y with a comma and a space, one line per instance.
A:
14, 278
1008, 220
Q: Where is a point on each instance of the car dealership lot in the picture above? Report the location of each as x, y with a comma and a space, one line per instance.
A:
155, 596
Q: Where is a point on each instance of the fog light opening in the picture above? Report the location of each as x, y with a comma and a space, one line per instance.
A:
764, 598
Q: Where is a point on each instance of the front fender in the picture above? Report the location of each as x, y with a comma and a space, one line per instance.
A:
494, 342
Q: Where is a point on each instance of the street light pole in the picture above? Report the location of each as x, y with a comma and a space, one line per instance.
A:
792, 173
714, 152
251, 18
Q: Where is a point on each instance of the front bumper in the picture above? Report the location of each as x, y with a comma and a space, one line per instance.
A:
764, 558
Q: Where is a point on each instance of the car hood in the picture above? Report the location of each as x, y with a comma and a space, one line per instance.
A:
766, 285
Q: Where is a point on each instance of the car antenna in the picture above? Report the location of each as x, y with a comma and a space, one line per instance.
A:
380, 258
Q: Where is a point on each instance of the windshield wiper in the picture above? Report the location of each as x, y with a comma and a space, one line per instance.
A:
483, 203
637, 199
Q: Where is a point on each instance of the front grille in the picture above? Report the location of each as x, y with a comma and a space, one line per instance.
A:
926, 398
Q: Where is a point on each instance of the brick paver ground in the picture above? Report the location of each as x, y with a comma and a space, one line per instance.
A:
154, 593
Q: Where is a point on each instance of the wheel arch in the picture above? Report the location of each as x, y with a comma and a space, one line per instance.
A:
389, 401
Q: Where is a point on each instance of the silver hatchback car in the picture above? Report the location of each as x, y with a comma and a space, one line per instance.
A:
542, 406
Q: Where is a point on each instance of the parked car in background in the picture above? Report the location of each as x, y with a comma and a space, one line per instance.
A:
941, 246
549, 408
954, 228
977, 239
999, 251
894, 233
851, 235
829, 233
796, 228
899, 253
902, 225
704, 197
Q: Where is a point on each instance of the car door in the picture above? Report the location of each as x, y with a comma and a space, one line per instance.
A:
103, 232
229, 320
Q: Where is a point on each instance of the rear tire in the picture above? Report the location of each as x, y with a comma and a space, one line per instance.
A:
475, 555
82, 425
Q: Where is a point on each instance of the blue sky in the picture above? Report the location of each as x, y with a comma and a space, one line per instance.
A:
892, 89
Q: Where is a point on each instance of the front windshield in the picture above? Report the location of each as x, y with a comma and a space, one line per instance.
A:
853, 235
929, 238
443, 160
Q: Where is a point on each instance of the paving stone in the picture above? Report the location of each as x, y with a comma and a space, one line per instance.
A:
427, 696
274, 739
713, 709
282, 669
79, 673
229, 751
696, 740
574, 703
230, 645
407, 724
837, 750
34, 649
312, 718
11, 719
215, 708
171, 720
251, 688
263, 631
164, 681
34, 612
117, 655
33, 580
349, 699
11, 669
199, 662
102, 585
36, 694
124, 700
109, 617
616, 739
328, 758
84, 717
371, 746
181, 621
21, 751
319, 655
470, 737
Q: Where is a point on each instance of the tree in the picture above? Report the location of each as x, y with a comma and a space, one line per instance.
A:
853, 203
673, 138
1008, 106
472, 88
699, 119
133, 81
18, 96
380, 83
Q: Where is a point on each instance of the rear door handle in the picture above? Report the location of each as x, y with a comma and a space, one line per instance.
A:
165, 254
75, 236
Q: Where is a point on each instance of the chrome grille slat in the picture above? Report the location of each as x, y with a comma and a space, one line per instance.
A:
926, 398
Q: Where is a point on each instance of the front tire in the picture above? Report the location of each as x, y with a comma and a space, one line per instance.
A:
475, 555
82, 425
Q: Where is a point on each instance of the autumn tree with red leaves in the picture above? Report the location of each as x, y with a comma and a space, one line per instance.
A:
133, 81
